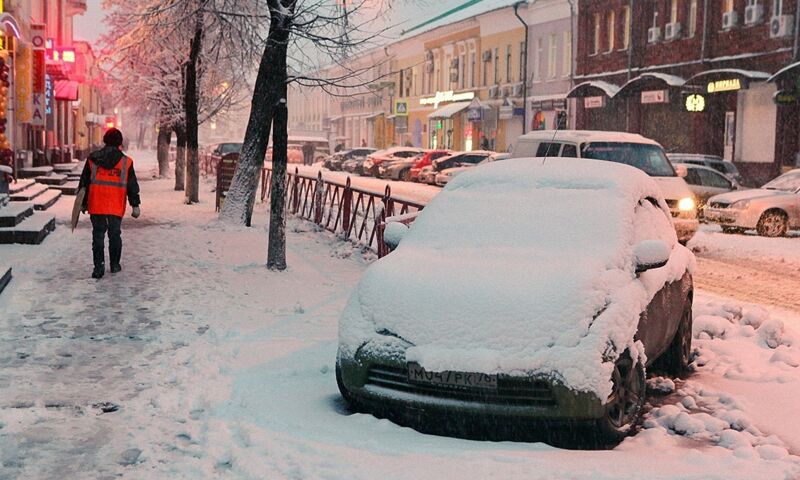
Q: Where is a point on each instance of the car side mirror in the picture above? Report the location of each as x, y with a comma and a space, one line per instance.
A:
393, 233
681, 170
650, 254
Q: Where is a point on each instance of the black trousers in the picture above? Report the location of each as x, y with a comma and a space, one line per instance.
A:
100, 225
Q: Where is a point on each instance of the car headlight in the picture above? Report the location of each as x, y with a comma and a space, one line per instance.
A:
740, 205
686, 204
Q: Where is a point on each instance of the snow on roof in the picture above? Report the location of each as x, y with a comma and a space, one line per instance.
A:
519, 266
670, 80
608, 88
750, 74
783, 70
580, 136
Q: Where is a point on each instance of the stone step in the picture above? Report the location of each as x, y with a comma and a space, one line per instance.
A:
14, 213
20, 185
5, 276
47, 199
29, 193
65, 167
31, 172
32, 231
52, 179
69, 188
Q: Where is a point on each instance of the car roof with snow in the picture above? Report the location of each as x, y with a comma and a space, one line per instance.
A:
581, 136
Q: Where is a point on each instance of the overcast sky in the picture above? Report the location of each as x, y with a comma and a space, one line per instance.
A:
90, 25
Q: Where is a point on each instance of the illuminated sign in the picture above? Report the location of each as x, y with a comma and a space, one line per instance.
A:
655, 96
66, 55
695, 103
445, 97
726, 85
594, 102
785, 97
22, 83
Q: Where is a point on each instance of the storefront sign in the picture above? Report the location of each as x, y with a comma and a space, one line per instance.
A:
475, 114
445, 97
695, 103
506, 112
401, 108
594, 102
726, 85
39, 68
22, 82
48, 102
655, 96
785, 97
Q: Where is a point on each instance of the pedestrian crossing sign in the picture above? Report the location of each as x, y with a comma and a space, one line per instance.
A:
401, 108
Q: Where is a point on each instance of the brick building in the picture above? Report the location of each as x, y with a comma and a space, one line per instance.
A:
696, 75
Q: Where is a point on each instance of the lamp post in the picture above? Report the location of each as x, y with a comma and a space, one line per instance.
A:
524, 70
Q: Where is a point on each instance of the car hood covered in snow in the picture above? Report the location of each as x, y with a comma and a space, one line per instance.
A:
750, 194
520, 268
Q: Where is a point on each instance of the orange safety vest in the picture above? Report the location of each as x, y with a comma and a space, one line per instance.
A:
109, 187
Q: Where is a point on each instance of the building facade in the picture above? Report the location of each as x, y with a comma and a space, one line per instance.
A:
694, 75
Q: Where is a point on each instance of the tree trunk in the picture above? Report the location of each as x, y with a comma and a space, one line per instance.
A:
180, 157
276, 247
162, 149
190, 107
267, 94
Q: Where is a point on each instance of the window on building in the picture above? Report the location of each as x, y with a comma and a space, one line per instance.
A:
691, 27
462, 74
777, 7
673, 11
596, 45
566, 58
626, 27
508, 63
402, 75
727, 6
537, 59
473, 66
611, 30
485, 67
552, 56
414, 83
496, 66
521, 61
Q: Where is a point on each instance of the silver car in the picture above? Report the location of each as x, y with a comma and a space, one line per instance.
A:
705, 182
772, 209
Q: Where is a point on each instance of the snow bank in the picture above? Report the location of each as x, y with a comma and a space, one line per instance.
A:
547, 287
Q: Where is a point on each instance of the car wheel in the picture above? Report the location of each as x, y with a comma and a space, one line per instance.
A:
405, 175
624, 405
732, 230
773, 223
677, 357
342, 389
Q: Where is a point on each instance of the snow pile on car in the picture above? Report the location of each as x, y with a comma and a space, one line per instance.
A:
519, 267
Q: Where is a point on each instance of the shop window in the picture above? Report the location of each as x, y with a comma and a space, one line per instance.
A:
552, 56
626, 27
566, 66
473, 66
611, 30
596, 45
537, 59
691, 26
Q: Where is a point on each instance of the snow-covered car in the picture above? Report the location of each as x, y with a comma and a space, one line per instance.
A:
772, 209
334, 162
444, 177
545, 313
398, 169
620, 147
426, 161
705, 182
427, 174
374, 160
712, 161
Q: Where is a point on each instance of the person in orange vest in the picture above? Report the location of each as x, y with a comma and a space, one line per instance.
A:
109, 178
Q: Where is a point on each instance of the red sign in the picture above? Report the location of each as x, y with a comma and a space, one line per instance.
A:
39, 64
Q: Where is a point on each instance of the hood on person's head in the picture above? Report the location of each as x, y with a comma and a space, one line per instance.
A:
113, 138
108, 156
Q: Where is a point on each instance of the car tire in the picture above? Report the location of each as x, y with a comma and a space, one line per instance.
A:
348, 398
773, 223
405, 175
732, 230
622, 414
676, 359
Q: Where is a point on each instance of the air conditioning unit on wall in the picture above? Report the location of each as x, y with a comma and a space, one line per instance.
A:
487, 56
781, 26
730, 19
753, 14
495, 91
653, 34
672, 31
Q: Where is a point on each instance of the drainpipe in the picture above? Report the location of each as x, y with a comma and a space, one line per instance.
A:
525, 70
705, 33
796, 30
630, 40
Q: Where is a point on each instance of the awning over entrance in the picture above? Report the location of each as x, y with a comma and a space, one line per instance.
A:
743, 77
373, 116
794, 68
66, 90
650, 81
593, 88
449, 110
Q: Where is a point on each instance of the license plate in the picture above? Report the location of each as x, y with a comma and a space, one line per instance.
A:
417, 374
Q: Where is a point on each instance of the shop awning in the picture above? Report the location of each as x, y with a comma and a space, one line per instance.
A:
335, 119
449, 110
793, 68
373, 116
727, 73
593, 88
650, 81
66, 90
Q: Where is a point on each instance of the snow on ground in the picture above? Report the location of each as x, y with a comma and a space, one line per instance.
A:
710, 241
197, 362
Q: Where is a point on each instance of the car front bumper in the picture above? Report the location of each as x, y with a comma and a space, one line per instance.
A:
685, 228
731, 217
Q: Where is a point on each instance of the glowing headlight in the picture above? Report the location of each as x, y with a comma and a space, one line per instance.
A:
741, 204
686, 204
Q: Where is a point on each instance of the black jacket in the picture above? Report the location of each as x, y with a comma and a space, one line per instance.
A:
107, 157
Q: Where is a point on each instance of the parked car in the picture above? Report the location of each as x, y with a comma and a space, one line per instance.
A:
426, 160
705, 182
712, 161
772, 209
464, 162
294, 154
620, 147
400, 169
375, 159
210, 161
505, 350
334, 161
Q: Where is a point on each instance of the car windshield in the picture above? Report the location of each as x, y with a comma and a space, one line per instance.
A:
230, 147
646, 157
788, 182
